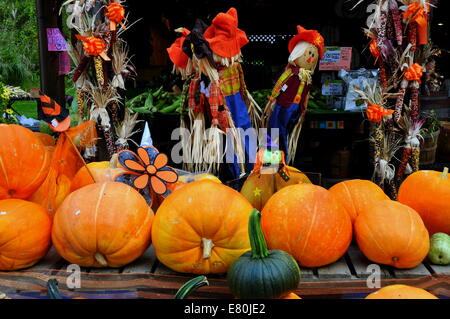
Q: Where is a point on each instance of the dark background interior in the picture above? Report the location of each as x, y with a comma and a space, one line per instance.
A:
334, 19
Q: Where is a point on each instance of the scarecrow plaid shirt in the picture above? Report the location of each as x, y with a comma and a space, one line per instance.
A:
194, 95
185, 92
288, 72
232, 80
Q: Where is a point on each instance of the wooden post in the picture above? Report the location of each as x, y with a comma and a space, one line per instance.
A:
52, 84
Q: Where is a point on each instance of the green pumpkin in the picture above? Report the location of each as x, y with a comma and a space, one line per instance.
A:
439, 253
262, 273
190, 287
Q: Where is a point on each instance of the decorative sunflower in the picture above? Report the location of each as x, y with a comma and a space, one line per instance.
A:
148, 172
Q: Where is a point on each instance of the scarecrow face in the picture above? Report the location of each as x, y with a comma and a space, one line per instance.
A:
309, 59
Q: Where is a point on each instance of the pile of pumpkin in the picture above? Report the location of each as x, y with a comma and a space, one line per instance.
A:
205, 227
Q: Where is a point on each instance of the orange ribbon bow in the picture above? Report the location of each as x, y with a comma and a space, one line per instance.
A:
417, 13
115, 12
414, 73
94, 46
375, 113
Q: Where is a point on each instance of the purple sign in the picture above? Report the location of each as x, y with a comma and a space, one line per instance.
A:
56, 41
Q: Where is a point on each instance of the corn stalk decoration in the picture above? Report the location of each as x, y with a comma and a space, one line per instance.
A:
102, 66
399, 43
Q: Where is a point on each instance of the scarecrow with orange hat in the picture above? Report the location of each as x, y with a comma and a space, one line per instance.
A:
226, 41
287, 104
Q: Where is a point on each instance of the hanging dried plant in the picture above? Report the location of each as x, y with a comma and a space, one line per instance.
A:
121, 63
125, 130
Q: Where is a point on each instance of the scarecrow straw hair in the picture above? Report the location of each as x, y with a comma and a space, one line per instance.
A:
197, 142
227, 61
213, 149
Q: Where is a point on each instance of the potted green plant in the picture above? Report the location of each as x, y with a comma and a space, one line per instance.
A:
430, 133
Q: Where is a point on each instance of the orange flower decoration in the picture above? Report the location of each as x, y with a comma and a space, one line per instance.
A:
115, 12
414, 72
375, 113
92, 45
417, 13
148, 168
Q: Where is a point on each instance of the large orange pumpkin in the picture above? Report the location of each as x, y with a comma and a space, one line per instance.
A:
401, 292
24, 162
25, 230
101, 171
393, 234
201, 228
46, 139
428, 192
258, 188
357, 194
306, 221
102, 225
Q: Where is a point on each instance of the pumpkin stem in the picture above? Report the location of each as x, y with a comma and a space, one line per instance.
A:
190, 286
101, 259
445, 173
53, 290
207, 247
257, 240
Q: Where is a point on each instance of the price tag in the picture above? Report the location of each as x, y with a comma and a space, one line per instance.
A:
336, 58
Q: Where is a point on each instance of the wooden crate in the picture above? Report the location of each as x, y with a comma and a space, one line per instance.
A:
148, 278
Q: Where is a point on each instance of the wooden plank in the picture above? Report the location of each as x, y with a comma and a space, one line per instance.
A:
307, 274
439, 269
418, 271
161, 269
143, 265
51, 261
361, 263
336, 271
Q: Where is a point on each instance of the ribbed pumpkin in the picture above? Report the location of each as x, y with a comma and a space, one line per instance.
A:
25, 230
393, 234
262, 273
46, 139
102, 225
428, 193
306, 221
101, 171
401, 292
201, 228
357, 194
24, 162
258, 188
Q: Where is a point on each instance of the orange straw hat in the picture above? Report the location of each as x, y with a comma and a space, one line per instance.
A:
224, 36
175, 51
310, 36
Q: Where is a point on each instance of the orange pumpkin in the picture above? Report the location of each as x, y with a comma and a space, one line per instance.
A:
290, 296
24, 162
258, 188
401, 292
393, 234
25, 230
357, 194
428, 193
101, 171
306, 221
201, 228
46, 139
102, 225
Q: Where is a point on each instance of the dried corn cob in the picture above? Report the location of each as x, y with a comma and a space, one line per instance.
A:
383, 75
397, 21
109, 138
80, 68
99, 70
412, 36
415, 159
381, 30
390, 31
393, 190
407, 153
400, 100
379, 136
414, 100
80, 102
105, 75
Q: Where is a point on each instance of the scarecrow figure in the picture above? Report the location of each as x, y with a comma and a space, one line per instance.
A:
287, 105
226, 41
